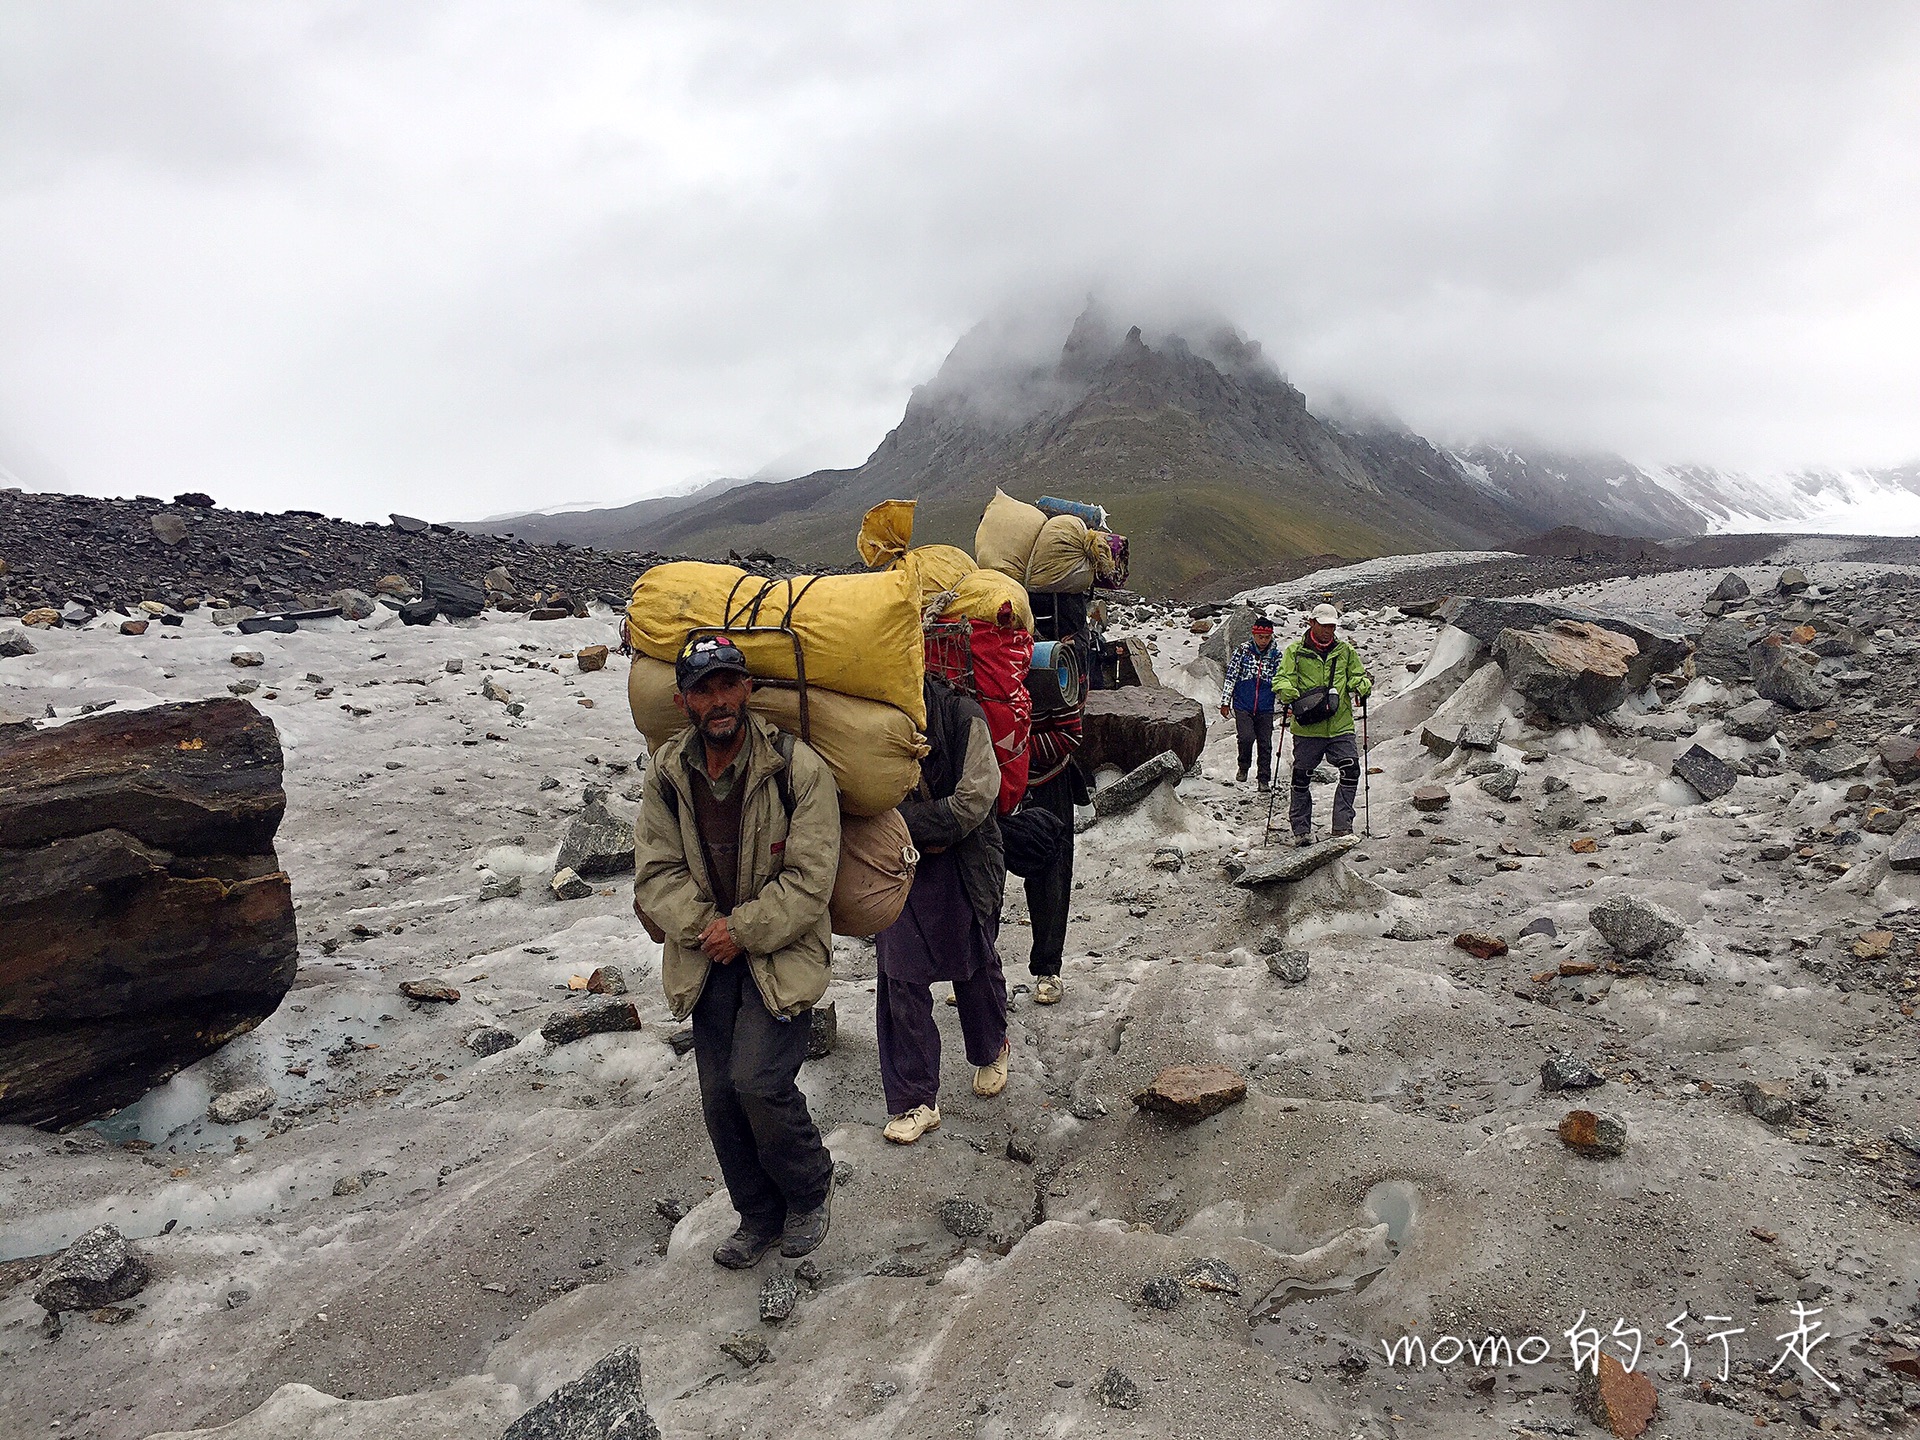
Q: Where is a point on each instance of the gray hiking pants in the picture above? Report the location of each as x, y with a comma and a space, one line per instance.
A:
1343, 753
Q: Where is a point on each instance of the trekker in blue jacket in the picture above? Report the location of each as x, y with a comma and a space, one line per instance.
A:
1247, 695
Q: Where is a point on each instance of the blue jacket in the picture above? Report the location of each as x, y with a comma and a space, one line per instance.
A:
1249, 681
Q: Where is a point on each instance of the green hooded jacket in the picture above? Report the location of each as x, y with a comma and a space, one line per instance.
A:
1301, 670
787, 867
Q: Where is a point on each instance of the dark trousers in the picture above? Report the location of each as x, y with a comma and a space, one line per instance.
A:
910, 1040
1050, 893
1344, 755
1251, 728
770, 1154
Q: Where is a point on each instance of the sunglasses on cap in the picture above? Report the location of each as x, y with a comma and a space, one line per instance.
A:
700, 657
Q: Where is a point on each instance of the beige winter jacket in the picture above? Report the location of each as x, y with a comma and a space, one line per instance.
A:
787, 867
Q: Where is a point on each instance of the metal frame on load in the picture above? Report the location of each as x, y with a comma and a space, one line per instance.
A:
945, 638
750, 613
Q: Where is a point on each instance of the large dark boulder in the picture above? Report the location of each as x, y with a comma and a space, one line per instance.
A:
1572, 671
1129, 726
1663, 646
144, 919
1786, 673
456, 599
1233, 631
1721, 651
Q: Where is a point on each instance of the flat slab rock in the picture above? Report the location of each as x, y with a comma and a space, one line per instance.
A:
1905, 855
599, 1018
1130, 789
1291, 865
1192, 1092
1661, 646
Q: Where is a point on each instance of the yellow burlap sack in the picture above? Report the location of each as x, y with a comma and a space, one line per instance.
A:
1049, 554
877, 861
873, 750
885, 533
860, 633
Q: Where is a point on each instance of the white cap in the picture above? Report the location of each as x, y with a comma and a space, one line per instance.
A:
1325, 615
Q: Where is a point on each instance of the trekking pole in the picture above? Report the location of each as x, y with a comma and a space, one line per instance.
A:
1366, 789
1273, 790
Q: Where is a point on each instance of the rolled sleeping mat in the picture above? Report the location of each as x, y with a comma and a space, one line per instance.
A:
1095, 516
1057, 677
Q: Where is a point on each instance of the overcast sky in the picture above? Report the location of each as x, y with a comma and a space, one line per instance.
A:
466, 258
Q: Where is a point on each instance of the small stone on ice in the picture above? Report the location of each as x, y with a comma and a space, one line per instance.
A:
1481, 947
1601, 1136
1288, 966
747, 1350
491, 1040
1116, 1391
777, 1298
1162, 1292
607, 980
566, 885
964, 1218
1568, 1072
1213, 1274
233, 1107
1768, 1100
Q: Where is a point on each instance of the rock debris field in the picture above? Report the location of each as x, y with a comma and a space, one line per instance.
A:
1569, 1046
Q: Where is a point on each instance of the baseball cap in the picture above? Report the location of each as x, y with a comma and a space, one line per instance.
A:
1325, 615
704, 656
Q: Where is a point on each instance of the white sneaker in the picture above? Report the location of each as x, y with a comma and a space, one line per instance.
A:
990, 1079
907, 1128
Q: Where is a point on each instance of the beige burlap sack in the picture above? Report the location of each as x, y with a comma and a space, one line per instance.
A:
877, 861
1048, 554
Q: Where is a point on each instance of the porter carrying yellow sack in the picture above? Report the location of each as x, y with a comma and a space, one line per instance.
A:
860, 633
873, 750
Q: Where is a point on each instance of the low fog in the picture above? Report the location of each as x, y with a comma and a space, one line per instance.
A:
464, 259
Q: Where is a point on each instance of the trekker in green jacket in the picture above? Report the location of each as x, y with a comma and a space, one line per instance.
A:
1317, 662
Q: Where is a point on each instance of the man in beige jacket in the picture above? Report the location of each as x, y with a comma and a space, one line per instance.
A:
736, 848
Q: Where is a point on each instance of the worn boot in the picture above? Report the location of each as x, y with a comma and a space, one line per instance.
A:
805, 1232
742, 1249
1047, 989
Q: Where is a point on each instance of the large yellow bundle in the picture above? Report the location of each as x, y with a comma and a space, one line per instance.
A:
1049, 554
977, 594
885, 533
873, 749
860, 633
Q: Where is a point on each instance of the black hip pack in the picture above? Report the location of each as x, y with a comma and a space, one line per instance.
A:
1316, 705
